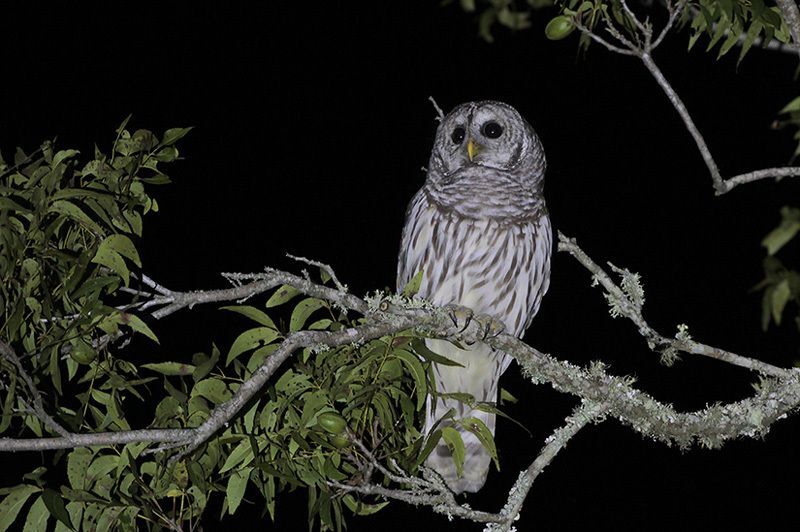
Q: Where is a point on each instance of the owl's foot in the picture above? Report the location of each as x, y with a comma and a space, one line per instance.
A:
461, 316
488, 327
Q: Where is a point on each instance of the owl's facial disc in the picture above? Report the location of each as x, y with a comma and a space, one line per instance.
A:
489, 134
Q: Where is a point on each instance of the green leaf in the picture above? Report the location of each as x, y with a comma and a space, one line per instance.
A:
124, 246
241, 454
167, 154
484, 435
77, 463
100, 467
108, 518
780, 296
469, 7
430, 444
170, 368
111, 259
282, 295
412, 287
205, 368
732, 39
171, 136
75, 510
13, 502
7, 204
55, 505
778, 237
418, 344
237, 484
303, 311
135, 322
320, 325
73, 211
752, 34
251, 339
417, 372
456, 445
792, 106
214, 390
506, 397
253, 313
362, 508
63, 155
37, 517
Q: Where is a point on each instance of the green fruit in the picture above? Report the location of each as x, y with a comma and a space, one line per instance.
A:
82, 352
339, 442
331, 422
558, 28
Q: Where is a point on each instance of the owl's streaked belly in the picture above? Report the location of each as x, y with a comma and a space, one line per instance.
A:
492, 268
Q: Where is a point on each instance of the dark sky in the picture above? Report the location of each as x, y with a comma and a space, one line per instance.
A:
312, 125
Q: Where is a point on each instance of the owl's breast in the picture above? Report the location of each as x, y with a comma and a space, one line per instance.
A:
491, 266
484, 193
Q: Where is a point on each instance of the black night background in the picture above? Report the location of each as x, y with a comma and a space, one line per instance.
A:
312, 126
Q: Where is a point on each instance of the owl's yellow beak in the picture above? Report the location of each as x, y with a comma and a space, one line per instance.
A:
472, 148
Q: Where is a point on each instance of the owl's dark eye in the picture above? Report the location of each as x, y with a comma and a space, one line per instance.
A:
458, 134
492, 130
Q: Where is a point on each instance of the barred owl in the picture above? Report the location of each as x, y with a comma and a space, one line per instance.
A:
478, 229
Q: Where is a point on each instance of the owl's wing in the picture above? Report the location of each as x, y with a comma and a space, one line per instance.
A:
540, 278
414, 243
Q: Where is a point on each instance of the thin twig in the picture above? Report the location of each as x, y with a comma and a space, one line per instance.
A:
677, 103
582, 415
322, 266
439, 112
612, 47
38, 408
260, 283
633, 312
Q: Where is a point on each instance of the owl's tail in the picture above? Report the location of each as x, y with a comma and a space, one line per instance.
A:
479, 377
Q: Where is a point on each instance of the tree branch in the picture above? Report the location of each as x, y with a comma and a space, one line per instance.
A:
259, 283
582, 415
711, 427
644, 50
120, 437
7, 352
629, 307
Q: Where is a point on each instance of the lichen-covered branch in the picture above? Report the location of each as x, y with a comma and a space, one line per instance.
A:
258, 283
584, 414
431, 490
627, 300
600, 392
631, 406
73, 440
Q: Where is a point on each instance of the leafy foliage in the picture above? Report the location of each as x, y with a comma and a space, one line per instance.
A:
728, 22
780, 284
68, 247
725, 22
507, 13
67, 234
791, 118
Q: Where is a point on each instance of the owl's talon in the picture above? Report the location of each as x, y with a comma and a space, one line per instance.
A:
489, 326
460, 316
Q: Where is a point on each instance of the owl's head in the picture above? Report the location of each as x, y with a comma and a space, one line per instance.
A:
487, 134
